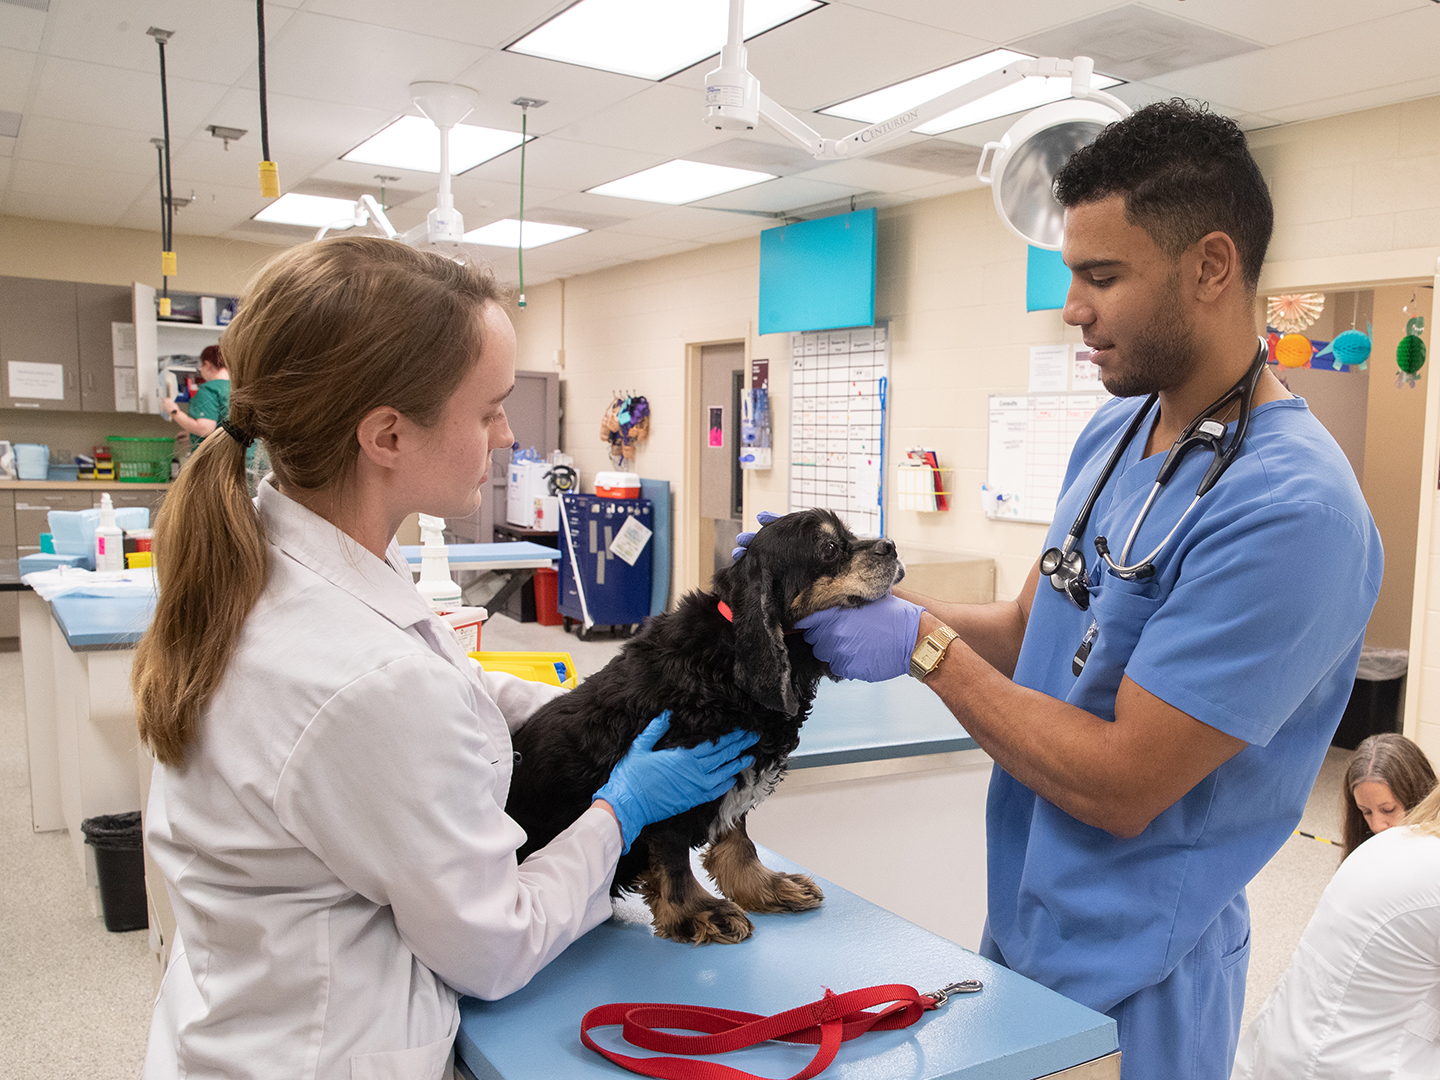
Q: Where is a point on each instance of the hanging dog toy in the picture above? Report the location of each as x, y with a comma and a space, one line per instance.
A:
626, 424
1410, 353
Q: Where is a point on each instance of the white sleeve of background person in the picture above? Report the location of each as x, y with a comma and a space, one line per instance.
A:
399, 790
518, 699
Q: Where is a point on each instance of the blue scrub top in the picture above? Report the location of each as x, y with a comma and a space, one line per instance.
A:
1252, 624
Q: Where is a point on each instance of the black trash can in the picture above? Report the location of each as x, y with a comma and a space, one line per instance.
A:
120, 868
1374, 706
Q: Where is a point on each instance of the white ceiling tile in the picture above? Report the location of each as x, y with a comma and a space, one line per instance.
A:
580, 203
1276, 21
819, 58
129, 100
64, 142
558, 163
489, 24
328, 59
17, 71
783, 193
570, 93
872, 175
21, 28
995, 23
1381, 53
213, 42
664, 120
78, 184
55, 206
321, 129
681, 223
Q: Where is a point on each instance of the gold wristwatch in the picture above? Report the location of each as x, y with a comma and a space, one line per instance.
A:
928, 654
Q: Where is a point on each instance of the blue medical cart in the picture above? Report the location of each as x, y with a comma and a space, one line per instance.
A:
616, 594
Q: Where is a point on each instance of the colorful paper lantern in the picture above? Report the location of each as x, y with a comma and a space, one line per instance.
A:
1350, 348
1294, 350
1294, 312
1410, 354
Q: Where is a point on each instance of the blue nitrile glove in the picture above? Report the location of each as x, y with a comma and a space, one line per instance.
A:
742, 540
649, 785
872, 642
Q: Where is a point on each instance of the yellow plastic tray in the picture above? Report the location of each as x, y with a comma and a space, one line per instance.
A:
542, 667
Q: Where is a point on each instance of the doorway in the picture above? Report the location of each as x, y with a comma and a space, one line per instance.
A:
715, 427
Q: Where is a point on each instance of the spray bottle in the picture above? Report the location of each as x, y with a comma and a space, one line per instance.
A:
109, 540
435, 584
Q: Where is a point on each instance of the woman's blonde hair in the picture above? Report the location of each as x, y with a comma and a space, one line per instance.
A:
1392, 760
325, 333
1424, 816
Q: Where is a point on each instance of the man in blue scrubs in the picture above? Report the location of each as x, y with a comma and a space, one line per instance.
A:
1154, 749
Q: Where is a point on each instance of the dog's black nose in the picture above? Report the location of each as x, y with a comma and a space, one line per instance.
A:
885, 548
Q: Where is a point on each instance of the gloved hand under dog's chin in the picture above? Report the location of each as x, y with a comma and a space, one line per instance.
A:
871, 643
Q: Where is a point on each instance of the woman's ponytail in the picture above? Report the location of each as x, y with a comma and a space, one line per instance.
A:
210, 565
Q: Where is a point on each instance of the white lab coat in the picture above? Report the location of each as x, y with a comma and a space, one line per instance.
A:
335, 845
1361, 998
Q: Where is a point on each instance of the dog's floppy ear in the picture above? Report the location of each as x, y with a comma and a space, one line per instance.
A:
762, 663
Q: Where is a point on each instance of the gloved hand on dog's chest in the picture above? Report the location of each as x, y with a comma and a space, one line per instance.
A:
649, 785
872, 642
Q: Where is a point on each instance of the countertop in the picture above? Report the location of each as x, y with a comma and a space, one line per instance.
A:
71, 485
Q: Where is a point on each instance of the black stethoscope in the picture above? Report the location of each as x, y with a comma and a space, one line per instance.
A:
1065, 565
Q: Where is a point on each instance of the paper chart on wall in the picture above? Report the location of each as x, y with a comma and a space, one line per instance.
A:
837, 421
1031, 437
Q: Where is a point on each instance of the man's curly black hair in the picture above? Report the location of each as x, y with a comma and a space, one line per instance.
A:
1184, 172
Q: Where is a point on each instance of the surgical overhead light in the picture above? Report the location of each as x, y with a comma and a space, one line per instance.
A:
1022, 165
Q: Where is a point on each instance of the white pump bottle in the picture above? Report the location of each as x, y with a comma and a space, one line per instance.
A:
435, 584
109, 539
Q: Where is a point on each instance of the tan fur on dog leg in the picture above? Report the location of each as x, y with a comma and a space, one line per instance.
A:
732, 862
685, 912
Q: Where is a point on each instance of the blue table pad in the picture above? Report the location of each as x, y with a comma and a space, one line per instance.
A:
856, 721
1014, 1029
497, 552
92, 622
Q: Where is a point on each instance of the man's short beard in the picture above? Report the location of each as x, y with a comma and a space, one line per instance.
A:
1162, 355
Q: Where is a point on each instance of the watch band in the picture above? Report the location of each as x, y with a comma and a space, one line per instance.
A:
928, 654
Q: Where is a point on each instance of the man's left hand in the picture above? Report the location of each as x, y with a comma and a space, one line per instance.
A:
871, 643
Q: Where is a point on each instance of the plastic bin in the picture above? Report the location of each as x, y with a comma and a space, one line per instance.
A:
120, 868
547, 597
32, 461
1374, 705
554, 668
141, 459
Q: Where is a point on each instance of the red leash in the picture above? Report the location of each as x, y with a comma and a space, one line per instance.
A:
834, 1019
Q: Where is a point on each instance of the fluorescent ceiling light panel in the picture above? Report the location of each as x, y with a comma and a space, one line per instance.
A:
507, 233
650, 39
1018, 97
313, 211
680, 181
413, 142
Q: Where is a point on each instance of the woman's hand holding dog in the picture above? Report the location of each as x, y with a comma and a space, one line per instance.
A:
872, 642
742, 540
649, 785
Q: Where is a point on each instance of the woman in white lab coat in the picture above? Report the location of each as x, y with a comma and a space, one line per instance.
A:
1361, 998
328, 802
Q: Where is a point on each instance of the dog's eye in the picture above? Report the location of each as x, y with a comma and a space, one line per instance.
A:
829, 549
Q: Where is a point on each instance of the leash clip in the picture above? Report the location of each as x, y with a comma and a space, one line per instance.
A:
964, 986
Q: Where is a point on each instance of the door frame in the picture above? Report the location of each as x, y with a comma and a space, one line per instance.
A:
687, 566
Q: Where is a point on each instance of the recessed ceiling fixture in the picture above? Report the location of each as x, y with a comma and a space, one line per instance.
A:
312, 211
650, 39
1030, 93
413, 142
680, 181
506, 233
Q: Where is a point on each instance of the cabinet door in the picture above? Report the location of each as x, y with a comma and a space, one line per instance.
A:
38, 331
96, 307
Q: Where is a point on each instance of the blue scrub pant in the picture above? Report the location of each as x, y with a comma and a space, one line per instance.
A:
1186, 1027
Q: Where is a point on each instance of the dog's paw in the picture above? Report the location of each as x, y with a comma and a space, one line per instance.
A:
719, 922
787, 892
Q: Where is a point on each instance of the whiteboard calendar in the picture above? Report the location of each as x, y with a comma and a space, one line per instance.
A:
838, 381
1031, 436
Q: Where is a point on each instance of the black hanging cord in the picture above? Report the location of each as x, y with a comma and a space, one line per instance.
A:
264, 112
167, 182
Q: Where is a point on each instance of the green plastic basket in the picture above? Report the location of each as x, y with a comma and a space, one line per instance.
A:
141, 459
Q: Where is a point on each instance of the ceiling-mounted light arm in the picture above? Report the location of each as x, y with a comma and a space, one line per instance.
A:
366, 210
795, 129
445, 104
